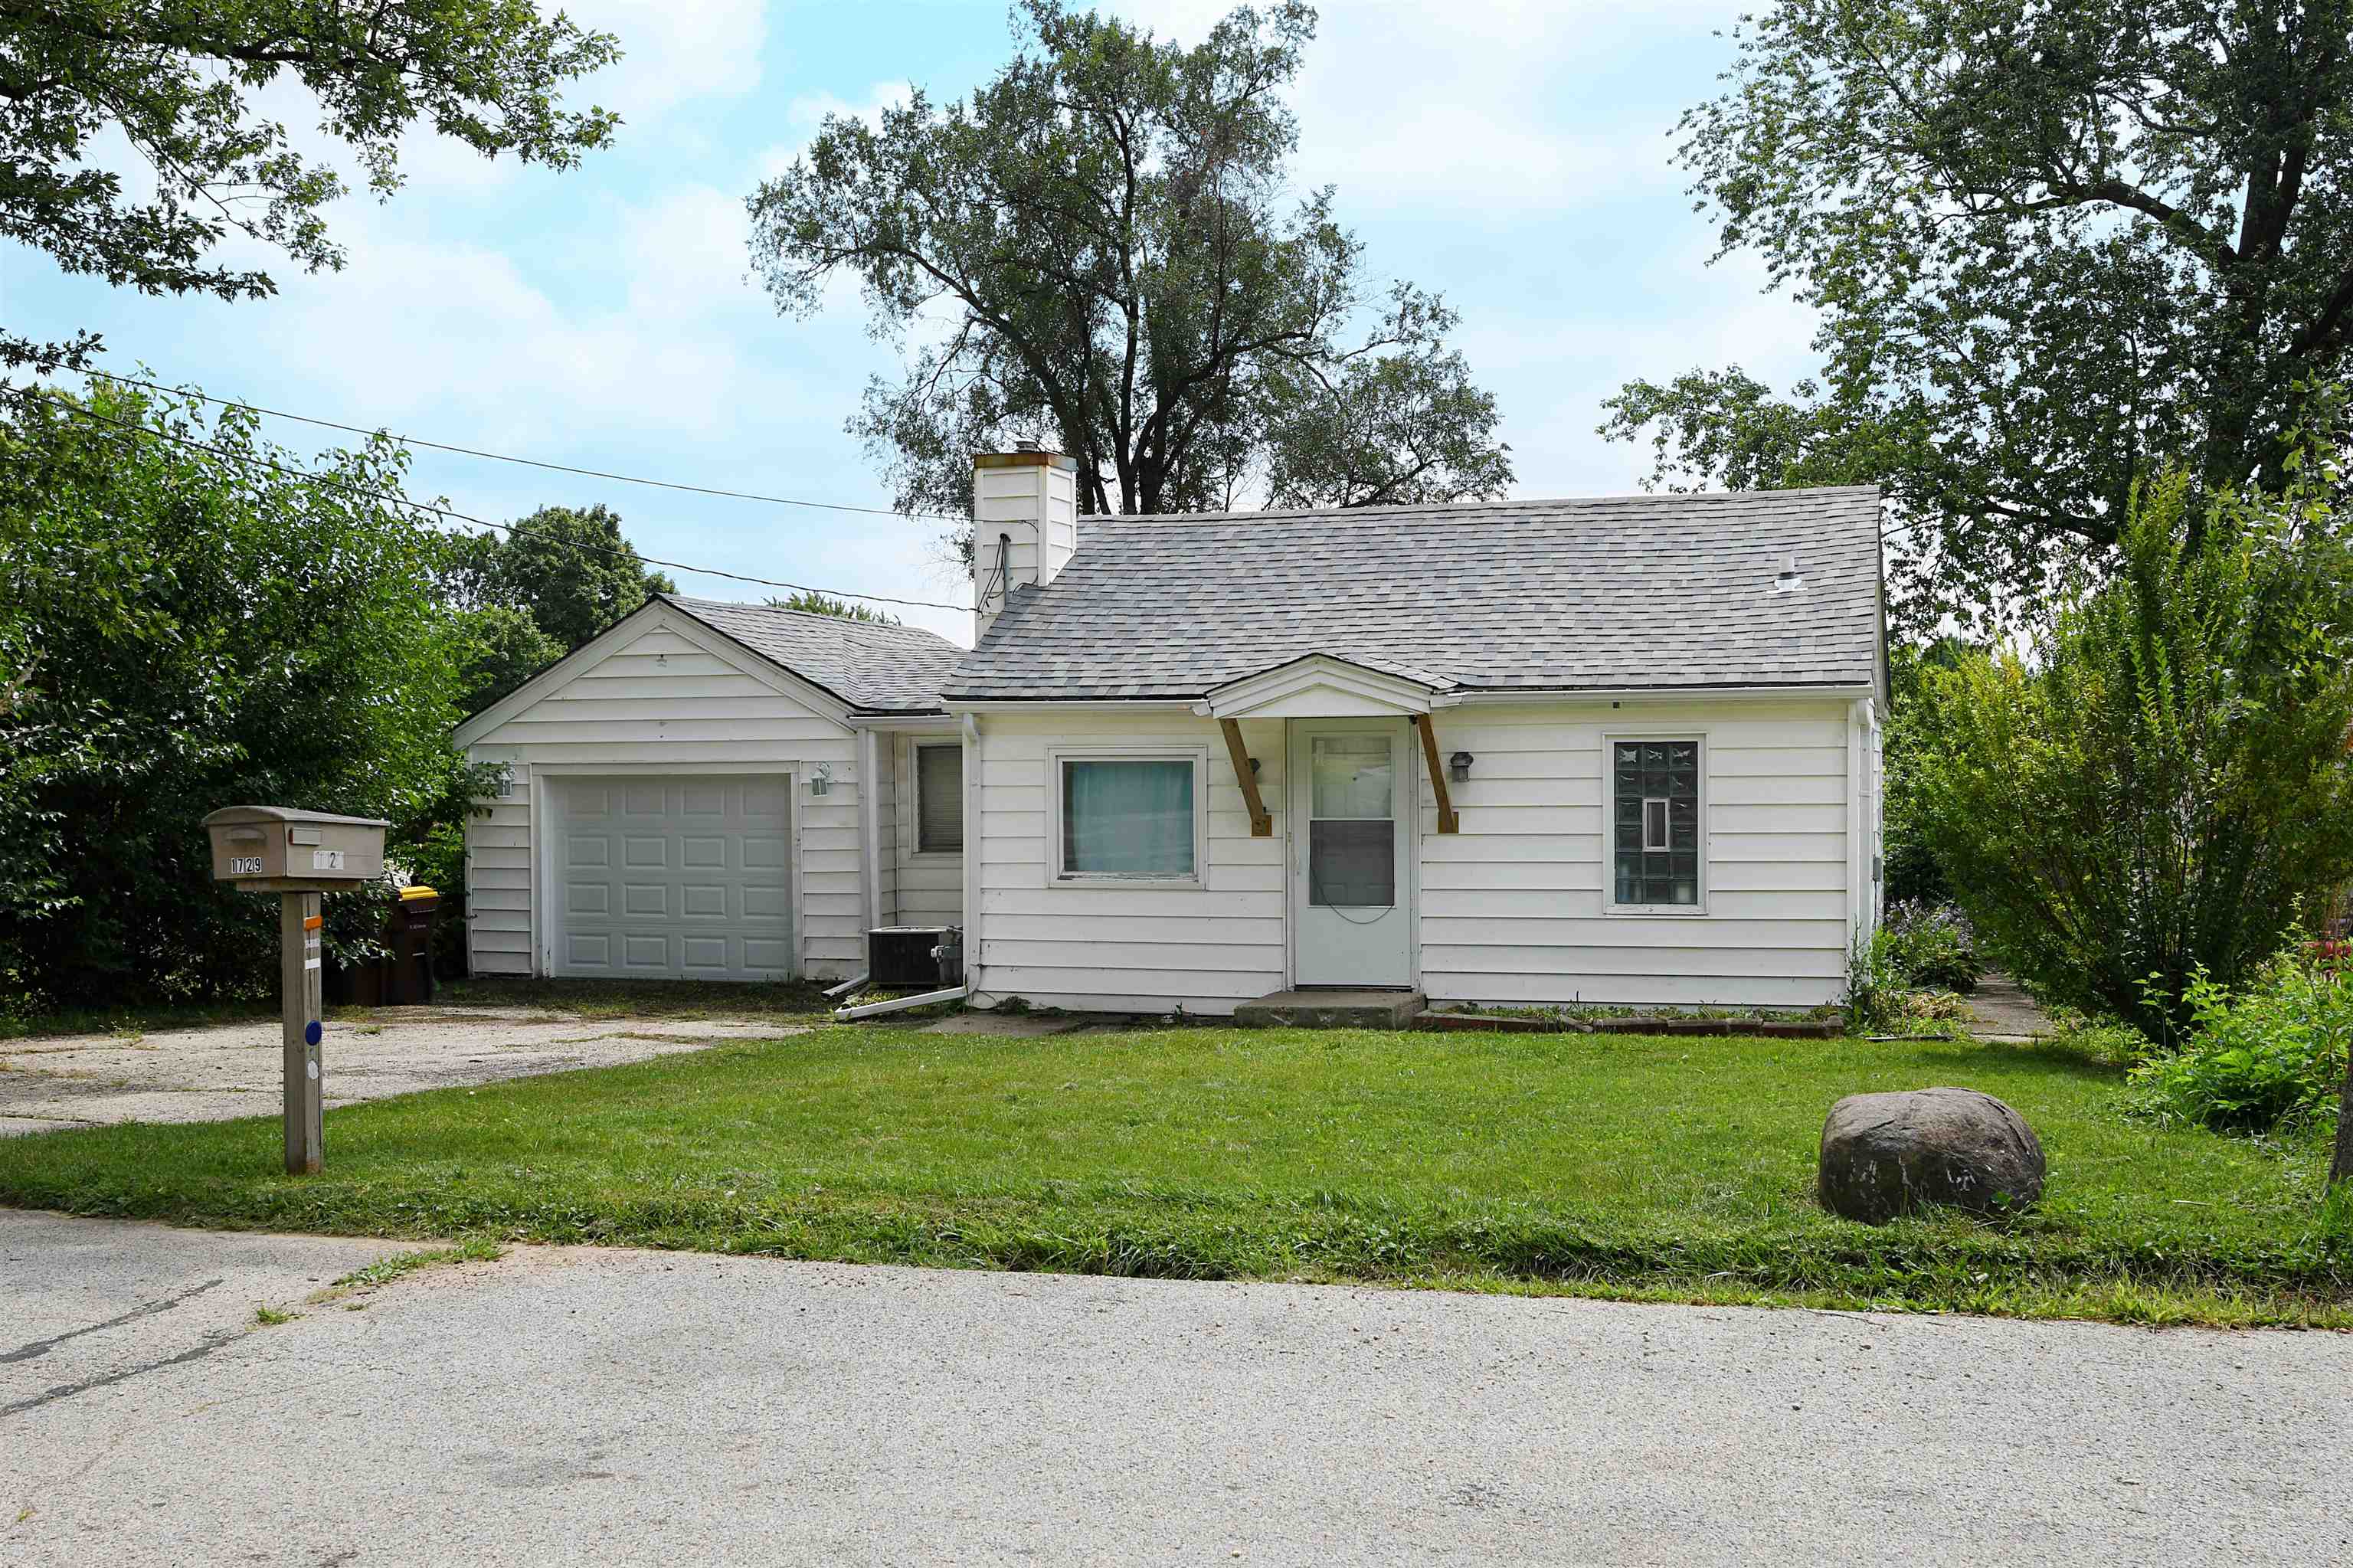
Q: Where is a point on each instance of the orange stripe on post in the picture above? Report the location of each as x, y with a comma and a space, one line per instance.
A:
312, 922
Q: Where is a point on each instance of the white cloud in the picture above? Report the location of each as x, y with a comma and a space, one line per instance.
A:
674, 52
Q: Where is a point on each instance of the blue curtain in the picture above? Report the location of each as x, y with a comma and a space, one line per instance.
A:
1128, 819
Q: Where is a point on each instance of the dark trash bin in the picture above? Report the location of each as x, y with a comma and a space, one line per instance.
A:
408, 971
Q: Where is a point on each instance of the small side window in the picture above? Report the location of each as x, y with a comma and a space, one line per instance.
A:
939, 798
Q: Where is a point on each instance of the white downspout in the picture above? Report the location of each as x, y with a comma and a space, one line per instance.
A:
1858, 863
972, 829
870, 831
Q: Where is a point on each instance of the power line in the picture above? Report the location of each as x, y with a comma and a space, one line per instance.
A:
527, 462
414, 505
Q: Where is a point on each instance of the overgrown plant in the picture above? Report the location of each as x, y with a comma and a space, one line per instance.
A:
199, 626
1932, 946
2149, 788
2274, 1052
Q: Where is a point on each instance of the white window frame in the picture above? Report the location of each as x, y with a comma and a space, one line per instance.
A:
1199, 756
1609, 743
915, 850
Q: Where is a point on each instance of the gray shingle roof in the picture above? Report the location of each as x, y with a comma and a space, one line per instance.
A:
1609, 593
881, 669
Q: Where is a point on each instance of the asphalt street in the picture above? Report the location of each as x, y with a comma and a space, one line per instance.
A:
573, 1405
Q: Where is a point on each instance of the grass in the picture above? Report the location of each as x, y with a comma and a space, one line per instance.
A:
1608, 1165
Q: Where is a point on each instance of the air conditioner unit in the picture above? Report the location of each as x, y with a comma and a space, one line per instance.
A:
907, 957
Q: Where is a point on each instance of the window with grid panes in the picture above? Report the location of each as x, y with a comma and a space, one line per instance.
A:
1655, 794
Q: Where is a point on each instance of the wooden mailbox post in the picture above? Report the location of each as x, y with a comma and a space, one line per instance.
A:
297, 855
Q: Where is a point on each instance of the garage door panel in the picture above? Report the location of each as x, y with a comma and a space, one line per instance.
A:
766, 953
684, 878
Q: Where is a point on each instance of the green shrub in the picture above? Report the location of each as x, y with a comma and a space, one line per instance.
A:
1885, 997
2272, 1052
1932, 946
2156, 783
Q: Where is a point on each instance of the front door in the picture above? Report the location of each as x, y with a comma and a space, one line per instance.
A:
1352, 804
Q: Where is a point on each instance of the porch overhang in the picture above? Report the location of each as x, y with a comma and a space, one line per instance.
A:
1321, 685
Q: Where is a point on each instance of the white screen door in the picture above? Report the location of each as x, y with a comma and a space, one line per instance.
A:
1352, 803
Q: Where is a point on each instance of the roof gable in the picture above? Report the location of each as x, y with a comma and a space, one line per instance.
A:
1647, 591
654, 616
1320, 686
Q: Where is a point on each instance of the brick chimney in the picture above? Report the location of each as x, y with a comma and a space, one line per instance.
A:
1025, 509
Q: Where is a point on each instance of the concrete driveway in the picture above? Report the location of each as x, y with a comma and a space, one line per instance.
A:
233, 1069
577, 1405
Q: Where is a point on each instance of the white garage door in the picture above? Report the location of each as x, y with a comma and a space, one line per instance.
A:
687, 878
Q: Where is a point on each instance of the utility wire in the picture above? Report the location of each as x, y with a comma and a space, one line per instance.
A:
445, 512
528, 463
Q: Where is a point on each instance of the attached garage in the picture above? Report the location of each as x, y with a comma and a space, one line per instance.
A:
672, 878
703, 791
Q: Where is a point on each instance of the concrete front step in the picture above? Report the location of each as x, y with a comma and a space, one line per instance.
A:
1331, 1010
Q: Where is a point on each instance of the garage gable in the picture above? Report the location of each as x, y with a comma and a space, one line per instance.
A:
661, 666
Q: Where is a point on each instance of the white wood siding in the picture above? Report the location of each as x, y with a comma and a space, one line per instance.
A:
930, 886
664, 700
1511, 907
1131, 950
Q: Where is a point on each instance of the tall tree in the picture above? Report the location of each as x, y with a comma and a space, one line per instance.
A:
1102, 229
2052, 246
570, 568
186, 628
180, 81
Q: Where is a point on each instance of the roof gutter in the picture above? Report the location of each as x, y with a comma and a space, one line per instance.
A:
1444, 699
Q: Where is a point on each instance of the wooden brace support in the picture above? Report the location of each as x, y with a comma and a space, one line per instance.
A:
1262, 820
1448, 821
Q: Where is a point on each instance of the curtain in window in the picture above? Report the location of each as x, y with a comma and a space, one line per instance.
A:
939, 798
1127, 818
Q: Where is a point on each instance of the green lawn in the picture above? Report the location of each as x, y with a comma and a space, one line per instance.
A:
1607, 1165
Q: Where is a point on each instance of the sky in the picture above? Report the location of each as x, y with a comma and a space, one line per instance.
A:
1514, 157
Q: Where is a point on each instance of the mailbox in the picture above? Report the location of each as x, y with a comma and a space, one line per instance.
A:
272, 849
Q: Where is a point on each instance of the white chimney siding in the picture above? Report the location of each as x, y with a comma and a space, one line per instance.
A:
1030, 498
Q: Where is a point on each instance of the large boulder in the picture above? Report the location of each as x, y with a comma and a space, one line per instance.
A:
1884, 1155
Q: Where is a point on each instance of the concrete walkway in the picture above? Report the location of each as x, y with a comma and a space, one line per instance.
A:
575, 1405
1999, 1009
234, 1069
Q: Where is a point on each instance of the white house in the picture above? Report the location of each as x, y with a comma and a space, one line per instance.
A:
1619, 751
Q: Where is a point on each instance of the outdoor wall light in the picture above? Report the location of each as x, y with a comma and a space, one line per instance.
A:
1458, 767
822, 780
